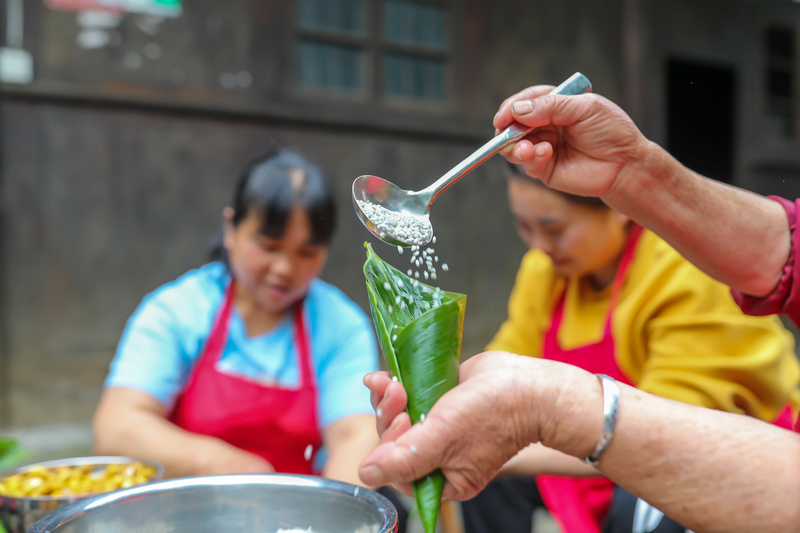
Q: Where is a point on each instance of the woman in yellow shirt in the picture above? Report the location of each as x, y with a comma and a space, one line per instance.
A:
598, 291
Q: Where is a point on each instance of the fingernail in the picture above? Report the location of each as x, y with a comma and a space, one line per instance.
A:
522, 107
372, 475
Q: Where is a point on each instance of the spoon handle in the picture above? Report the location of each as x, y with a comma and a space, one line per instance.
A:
575, 84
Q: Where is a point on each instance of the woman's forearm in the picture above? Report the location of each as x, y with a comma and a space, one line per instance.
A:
149, 436
130, 422
347, 442
536, 459
735, 236
709, 470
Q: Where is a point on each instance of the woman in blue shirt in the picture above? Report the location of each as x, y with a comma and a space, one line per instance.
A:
249, 364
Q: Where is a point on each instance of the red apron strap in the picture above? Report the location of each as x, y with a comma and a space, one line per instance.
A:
784, 419
215, 343
303, 343
624, 264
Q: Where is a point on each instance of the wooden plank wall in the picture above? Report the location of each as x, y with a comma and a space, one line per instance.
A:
116, 163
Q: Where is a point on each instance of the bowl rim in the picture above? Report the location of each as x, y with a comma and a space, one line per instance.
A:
75, 510
92, 460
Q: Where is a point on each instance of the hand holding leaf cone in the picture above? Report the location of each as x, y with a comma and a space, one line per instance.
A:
419, 329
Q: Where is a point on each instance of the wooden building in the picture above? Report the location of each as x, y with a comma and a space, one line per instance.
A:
117, 158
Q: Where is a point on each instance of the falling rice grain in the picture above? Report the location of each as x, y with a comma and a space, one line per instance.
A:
307, 453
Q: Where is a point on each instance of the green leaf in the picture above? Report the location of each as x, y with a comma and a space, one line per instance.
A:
428, 325
11, 453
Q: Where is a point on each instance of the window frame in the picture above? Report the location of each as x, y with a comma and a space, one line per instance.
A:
786, 65
375, 48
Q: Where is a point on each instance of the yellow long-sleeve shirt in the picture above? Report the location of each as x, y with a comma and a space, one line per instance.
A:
677, 332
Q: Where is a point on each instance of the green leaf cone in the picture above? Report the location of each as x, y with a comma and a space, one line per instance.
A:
424, 355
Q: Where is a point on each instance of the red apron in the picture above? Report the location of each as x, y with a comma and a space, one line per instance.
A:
275, 423
581, 504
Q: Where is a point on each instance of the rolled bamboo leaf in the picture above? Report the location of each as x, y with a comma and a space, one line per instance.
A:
419, 329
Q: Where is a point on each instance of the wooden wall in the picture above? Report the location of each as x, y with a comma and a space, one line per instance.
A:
116, 162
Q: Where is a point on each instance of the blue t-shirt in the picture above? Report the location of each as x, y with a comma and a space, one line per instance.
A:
166, 334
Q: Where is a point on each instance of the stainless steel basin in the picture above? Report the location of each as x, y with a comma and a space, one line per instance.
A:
228, 504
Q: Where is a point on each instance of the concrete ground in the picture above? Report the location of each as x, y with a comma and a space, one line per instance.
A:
47, 443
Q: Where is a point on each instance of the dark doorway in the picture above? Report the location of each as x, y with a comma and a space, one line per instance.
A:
701, 117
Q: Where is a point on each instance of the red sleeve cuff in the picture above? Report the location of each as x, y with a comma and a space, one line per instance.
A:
785, 297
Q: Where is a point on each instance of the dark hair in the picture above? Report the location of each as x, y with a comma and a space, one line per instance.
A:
516, 172
273, 185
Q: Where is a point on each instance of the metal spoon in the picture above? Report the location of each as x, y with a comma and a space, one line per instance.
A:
417, 204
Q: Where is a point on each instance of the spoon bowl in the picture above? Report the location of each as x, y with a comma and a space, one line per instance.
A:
382, 206
381, 192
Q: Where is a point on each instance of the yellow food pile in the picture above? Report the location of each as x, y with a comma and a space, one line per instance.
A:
74, 480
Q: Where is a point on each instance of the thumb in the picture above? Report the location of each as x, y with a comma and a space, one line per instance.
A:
414, 454
553, 109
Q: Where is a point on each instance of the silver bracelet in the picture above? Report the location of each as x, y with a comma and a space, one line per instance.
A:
610, 414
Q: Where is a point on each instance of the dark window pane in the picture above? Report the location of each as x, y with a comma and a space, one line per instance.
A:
415, 24
336, 16
779, 83
329, 66
780, 43
414, 77
780, 124
779, 80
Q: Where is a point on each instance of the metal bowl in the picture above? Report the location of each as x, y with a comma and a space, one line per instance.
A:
245, 503
19, 514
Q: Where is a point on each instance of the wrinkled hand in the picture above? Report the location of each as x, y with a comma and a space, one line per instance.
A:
581, 144
469, 433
